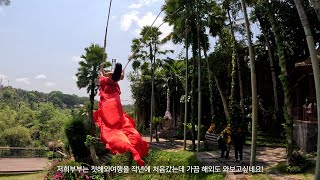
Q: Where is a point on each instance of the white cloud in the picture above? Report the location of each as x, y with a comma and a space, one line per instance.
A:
76, 59
128, 19
166, 29
74, 77
23, 80
141, 3
167, 46
135, 6
150, 1
48, 84
3, 77
41, 76
147, 20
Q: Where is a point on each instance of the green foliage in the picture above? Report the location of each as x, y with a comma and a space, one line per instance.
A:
7, 117
91, 141
15, 137
163, 158
76, 133
128, 108
157, 119
282, 168
60, 100
89, 67
13, 97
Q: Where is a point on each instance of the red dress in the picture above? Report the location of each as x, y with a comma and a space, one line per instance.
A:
117, 129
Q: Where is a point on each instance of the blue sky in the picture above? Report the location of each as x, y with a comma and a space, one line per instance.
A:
41, 41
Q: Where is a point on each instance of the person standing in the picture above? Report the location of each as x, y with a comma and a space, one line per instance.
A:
224, 142
238, 143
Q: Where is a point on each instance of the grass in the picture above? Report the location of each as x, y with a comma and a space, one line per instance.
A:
267, 140
280, 171
158, 158
35, 176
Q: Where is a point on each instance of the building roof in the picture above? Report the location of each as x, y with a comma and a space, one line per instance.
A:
307, 62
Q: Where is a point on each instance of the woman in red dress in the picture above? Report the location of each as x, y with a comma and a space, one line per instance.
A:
117, 129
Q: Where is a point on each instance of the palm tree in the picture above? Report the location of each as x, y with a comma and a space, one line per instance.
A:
177, 12
87, 75
234, 63
253, 87
176, 15
315, 67
283, 78
259, 14
145, 48
215, 24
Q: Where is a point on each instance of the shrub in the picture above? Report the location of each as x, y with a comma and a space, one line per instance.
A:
296, 159
76, 133
282, 168
16, 137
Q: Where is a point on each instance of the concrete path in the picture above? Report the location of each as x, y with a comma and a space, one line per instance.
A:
266, 157
19, 165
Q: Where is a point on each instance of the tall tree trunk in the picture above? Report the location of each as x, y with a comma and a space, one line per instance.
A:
168, 117
199, 78
210, 79
92, 128
152, 91
223, 97
186, 92
316, 75
193, 102
273, 73
240, 85
284, 78
194, 78
316, 6
253, 87
235, 63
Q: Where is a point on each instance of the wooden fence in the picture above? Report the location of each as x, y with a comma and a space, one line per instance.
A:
22, 152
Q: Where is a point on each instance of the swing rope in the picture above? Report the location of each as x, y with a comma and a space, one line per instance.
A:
105, 35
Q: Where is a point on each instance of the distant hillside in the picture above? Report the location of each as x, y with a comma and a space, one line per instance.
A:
57, 98
32, 118
129, 108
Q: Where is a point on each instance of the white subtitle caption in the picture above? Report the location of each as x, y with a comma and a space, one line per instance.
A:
161, 169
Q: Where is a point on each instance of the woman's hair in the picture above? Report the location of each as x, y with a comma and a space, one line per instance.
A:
117, 72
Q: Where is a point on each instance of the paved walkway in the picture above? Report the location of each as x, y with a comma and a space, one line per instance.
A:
19, 165
265, 156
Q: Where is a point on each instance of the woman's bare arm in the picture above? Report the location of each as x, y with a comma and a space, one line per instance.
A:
122, 75
101, 69
102, 73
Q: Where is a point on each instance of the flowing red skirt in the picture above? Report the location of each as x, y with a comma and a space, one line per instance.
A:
117, 129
